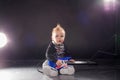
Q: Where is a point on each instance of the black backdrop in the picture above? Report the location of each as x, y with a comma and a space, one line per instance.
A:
89, 28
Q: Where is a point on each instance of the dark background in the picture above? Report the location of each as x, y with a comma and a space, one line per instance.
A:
90, 30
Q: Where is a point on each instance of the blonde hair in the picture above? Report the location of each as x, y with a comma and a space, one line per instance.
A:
58, 28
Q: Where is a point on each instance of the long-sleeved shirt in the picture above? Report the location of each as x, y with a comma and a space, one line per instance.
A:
54, 52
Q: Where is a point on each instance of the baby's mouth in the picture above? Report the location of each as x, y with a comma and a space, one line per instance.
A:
59, 41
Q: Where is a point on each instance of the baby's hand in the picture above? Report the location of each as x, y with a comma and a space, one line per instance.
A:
64, 65
59, 62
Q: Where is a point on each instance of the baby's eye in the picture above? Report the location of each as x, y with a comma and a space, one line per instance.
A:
56, 36
62, 36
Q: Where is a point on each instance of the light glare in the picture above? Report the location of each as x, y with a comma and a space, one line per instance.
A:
3, 40
109, 5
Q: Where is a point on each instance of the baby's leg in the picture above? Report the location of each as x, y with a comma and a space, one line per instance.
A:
49, 70
68, 70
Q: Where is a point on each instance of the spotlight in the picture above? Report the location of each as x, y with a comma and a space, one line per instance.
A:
110, 4
3, 40
107, 1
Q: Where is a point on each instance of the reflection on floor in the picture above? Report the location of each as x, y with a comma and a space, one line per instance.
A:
96, 72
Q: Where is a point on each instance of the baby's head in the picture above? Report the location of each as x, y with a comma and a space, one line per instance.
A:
58, 34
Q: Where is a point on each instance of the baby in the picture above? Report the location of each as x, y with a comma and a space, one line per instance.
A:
57, 55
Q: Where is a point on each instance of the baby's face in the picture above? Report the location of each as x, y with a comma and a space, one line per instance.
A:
58, 37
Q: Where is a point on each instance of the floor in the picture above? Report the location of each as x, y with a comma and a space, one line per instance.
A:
83, 72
